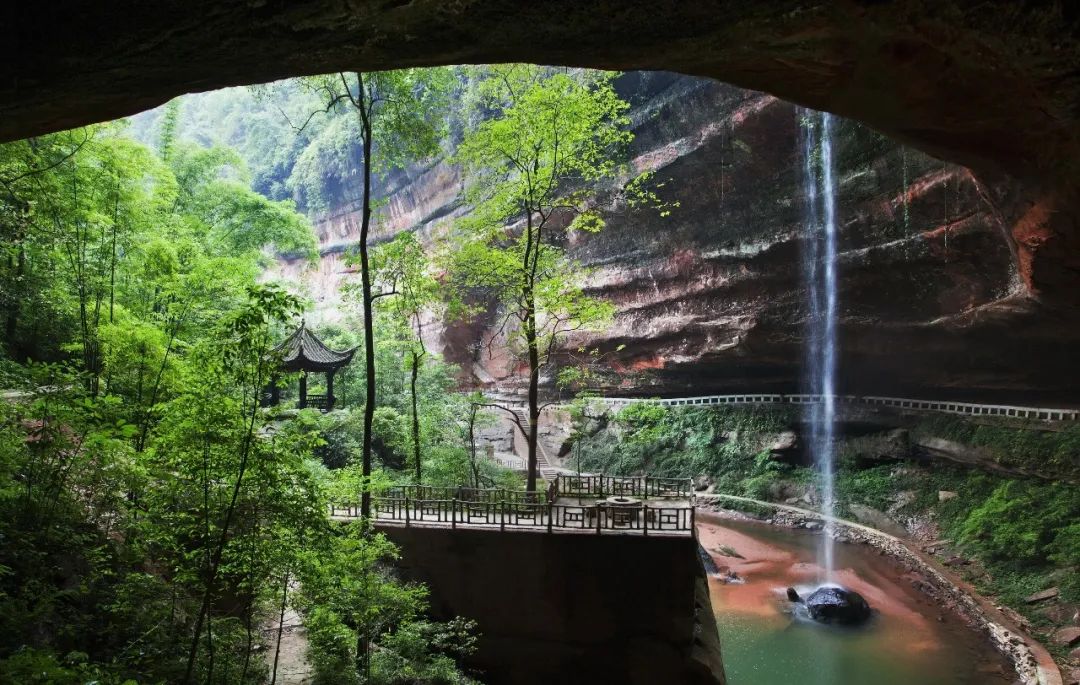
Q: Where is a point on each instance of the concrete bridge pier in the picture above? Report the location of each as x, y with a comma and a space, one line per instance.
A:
574, 609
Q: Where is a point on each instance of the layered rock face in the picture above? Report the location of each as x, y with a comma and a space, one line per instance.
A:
711, 298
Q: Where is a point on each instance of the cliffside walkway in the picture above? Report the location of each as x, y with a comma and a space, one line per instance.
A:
585, 504
962, 408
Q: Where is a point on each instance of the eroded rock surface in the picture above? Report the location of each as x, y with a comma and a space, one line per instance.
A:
710, 299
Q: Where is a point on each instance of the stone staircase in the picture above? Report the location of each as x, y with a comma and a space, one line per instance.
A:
543, 463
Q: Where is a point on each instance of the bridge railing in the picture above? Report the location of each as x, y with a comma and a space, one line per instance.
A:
427, 492
551, 517
964, 408
569, 485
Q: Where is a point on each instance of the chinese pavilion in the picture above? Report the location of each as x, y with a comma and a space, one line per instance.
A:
303, 352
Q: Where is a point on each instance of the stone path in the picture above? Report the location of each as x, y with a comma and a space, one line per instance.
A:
293, 667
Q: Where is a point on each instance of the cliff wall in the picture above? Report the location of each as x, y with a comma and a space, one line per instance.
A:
711, 298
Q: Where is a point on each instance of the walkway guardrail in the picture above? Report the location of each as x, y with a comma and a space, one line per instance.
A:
464, 494
620, 504
538, 517
963, 408
567, 485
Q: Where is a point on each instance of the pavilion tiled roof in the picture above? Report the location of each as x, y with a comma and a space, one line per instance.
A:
303, 351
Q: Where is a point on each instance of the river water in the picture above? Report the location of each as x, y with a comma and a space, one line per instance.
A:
910, 640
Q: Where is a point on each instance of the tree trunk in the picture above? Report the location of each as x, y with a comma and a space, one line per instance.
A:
534, 394
365, 284
280, 626
473, 409
415, 414
17, 265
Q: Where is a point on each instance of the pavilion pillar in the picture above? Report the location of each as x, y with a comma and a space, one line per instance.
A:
275, 391
330, 400
303, 390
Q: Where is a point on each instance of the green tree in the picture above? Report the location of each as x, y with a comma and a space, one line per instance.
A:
402, 267
532, 167
244, 357
402, 118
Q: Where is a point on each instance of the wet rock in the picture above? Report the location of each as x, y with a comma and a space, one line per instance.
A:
1049, 593
784, 441
730, 577
1067, 636
702, 483
812, 525
946, 495
837, 605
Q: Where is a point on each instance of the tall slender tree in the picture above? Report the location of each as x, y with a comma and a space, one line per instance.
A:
402, 269
401, 117
546, 138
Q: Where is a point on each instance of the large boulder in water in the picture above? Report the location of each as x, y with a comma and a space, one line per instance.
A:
831, 604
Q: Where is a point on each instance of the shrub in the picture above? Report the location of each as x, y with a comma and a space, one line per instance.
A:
1024, 523
684, 442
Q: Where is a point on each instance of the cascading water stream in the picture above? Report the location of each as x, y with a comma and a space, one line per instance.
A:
819, 271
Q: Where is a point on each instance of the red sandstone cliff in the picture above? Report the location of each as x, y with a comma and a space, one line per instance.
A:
710, 298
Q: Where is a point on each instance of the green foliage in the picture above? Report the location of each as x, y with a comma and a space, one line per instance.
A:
726, 443
1025, 523
546, 135
551, 128
423, 653
405, 110
352, 600
150, 511
644, 423
875, 486
1022, 531
390, 436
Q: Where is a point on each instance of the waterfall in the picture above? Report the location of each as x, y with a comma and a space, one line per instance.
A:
819, 271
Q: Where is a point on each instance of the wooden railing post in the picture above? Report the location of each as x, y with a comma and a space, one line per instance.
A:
406, 511
453, 513
550, 513
645, 520
599, 513
502, 515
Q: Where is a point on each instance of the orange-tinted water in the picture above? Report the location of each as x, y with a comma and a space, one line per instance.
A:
910, 641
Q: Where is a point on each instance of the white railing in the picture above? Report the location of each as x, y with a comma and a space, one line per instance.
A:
965, 408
